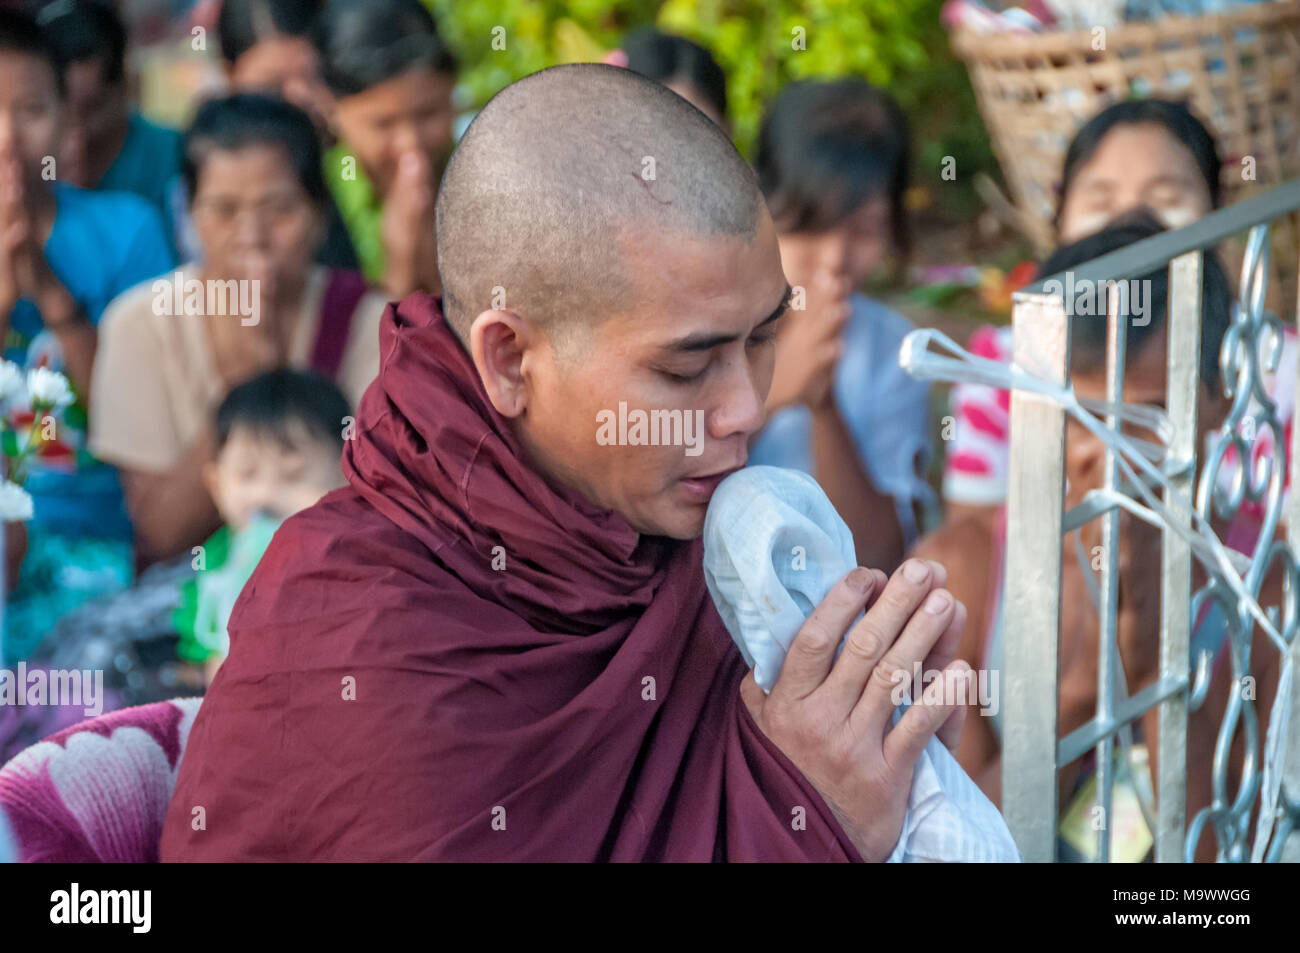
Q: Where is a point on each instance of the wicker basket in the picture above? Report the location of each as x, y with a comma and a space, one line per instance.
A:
1240, 71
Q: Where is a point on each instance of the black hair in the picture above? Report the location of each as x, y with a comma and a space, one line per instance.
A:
1088, 335
246, 119
664, 58
242, 24
20, 33
270, 403
363, 43
825, 148
1175, 117
81, 29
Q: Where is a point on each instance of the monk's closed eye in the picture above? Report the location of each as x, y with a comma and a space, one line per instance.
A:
683, 378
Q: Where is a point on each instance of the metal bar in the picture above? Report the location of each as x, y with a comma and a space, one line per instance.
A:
1032, 581
1290, 768
1094, 505
1152, 254
1087, 735
1034, 551
1183, 387
1107, 656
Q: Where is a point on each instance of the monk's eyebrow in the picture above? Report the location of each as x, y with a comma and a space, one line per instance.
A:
704, 342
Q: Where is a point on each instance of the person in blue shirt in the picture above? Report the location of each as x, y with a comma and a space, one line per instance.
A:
107, 144
65, 252
832, 162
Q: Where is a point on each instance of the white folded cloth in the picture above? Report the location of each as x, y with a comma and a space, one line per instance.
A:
773, 547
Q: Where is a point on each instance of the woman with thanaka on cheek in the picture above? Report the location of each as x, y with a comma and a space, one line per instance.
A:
252, 165
832, 162
1147, 153
1140, 157
391, 78
975, 551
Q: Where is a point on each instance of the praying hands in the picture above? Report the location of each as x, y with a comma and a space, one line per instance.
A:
831, 716
407, 229
25, 273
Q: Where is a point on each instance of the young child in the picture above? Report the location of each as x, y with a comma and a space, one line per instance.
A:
278, 441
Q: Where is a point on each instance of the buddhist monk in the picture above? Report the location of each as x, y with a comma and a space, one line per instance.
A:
496, 642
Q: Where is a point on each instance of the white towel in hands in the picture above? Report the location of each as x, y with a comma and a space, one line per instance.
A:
773, 547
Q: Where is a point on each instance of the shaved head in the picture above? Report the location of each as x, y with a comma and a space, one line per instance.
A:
560, 175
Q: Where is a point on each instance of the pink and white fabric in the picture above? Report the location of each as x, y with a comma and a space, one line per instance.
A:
978, 437
98, 791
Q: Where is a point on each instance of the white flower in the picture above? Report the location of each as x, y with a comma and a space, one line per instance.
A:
15, 502
11, 380
48, 388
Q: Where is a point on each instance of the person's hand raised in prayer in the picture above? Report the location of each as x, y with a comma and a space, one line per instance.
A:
832, 717
809, 345
24, 271
243, 348
16, 230
407, 227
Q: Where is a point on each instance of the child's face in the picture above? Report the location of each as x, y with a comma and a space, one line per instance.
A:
408, 113
29, 111
254, 473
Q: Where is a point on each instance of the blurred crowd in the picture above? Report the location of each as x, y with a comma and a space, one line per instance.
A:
213, 296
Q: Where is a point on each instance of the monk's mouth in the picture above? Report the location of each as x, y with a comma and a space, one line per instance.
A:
700, 488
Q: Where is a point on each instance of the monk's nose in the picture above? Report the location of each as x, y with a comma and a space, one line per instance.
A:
742, 412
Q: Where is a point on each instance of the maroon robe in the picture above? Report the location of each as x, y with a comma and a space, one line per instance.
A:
391, 694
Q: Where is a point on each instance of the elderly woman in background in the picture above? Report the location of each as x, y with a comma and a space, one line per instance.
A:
252, 165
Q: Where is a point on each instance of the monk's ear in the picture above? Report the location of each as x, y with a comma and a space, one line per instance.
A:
500, 342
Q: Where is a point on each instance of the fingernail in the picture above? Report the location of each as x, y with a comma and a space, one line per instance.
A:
937, 602
916, 571
860, 580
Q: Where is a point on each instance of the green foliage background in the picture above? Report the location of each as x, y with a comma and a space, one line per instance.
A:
897, 44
